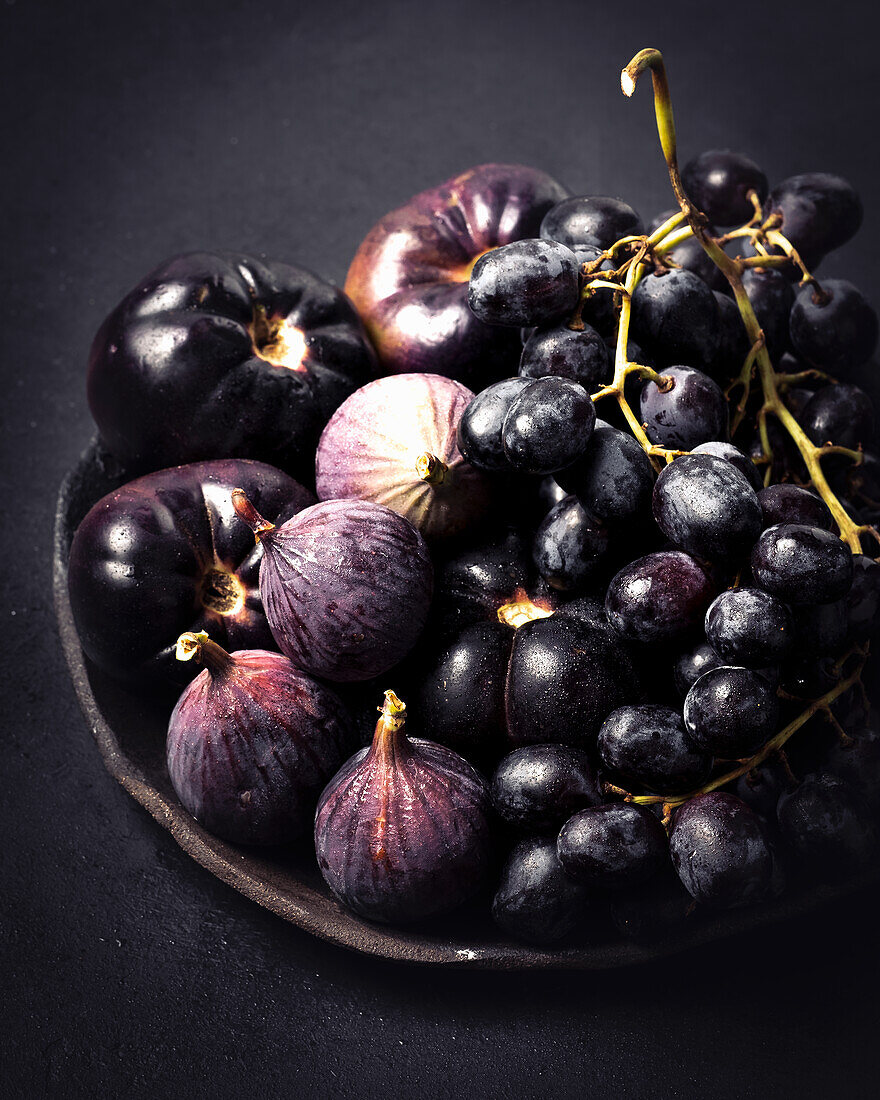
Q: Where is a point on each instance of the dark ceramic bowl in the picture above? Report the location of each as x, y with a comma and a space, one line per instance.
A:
130, 732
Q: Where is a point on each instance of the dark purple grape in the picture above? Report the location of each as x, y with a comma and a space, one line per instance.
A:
802, 565
481, 425
676, 316
690, 666
570, 546
792, 504
597, 220
462, 697
691, 256
835, 329
856, 762
730, 712
772, 297
580, 355
819, 213
536, 900
659, 597
720, 851
403, 830
613, 478
693, 411
733, 345
718, 182
820, 629
749, 627
707, 507
565, 677
646, 744
528, 282
840, 414
808, 677
538, 787
548, 425
613, 846
863, 599
761, 787
827, 825
735, 457
550, 493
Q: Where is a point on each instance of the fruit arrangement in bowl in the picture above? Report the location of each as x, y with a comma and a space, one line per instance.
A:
513, 606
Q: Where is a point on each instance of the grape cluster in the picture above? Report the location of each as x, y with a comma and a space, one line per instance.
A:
691, 459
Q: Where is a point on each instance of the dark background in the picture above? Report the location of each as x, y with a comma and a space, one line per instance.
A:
132, 132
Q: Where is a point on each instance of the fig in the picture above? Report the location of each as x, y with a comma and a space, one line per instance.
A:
394, 442
252, 742
216, 355
409, 277
165, 554
346, 587
403, 831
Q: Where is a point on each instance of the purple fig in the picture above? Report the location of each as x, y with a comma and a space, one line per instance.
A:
346, 586
394, 442
403, 830
252, 741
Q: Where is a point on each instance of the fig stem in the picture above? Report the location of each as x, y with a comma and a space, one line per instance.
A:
248, 513
431, 469
196, 645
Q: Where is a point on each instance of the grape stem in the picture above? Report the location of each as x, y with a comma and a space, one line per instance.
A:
733, 269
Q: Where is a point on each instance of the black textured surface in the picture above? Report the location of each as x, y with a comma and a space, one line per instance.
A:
287, 130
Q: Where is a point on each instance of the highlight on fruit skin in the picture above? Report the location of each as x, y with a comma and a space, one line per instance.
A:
252, 741
403, 831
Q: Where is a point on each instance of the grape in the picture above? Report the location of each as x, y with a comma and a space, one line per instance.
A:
536, 900
821, 628
529, 282
819, 212
597, 307
733, 341
842, 414
808, 677
580, 355
792, 504
690, 666
676, 316
863, 599
827, 825
856, 762
550, 493
691, 256
835, 330
749, 627
720, 851
761, 787
736, 457
612, 846
718, 182
548, 425
771, 296
480, 428
802, 565
590, 220
730, 712
658, 597
536, 788
646, 744
569, 546
707, 507
693, 411
613, 478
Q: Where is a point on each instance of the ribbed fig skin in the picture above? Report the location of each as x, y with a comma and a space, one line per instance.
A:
251, 747
370, 446
346, 585
404, 834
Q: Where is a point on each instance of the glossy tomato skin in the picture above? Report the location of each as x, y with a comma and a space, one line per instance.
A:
219, 355
166, 553
409, 277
